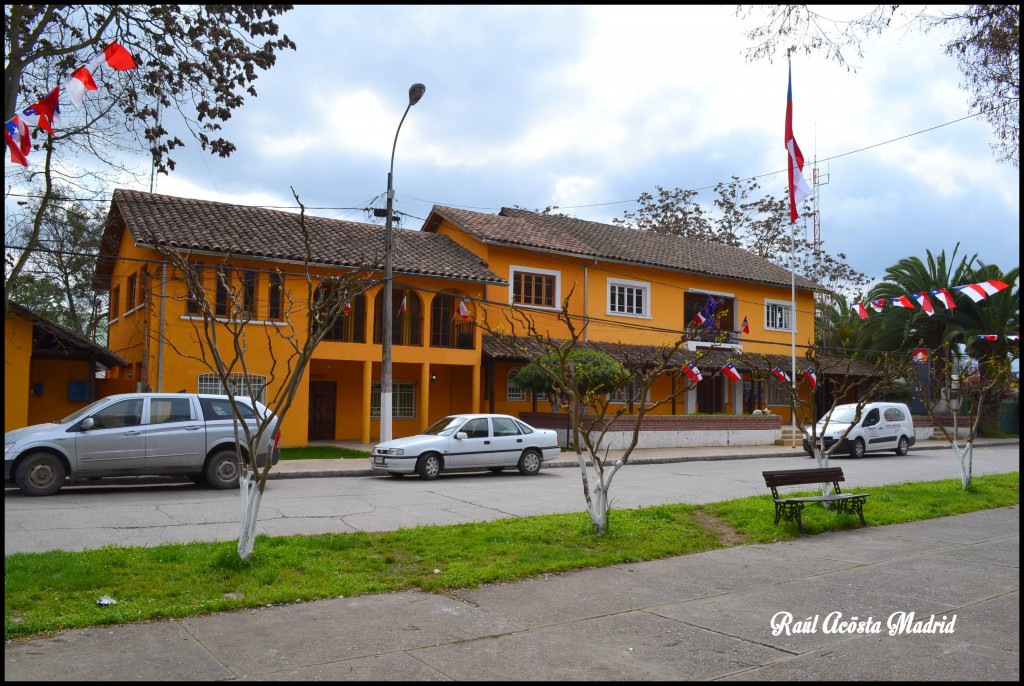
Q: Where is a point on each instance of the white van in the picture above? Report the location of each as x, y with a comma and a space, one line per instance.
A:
882, 426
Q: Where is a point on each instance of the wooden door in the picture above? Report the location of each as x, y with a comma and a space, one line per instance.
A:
322, 405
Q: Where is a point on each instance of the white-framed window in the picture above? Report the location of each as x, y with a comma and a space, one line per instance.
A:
628, 393
630, 298
778, 394
778, 315
403, 400
516, 392
513, 389
254, 387
533, 287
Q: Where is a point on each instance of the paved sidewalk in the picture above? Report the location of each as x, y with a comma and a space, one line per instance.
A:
704, 617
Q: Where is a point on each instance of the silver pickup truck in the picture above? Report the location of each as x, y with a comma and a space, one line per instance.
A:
138, 434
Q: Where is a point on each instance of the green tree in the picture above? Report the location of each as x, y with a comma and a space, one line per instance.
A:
740, 218
594, 372
57, 282
985, 42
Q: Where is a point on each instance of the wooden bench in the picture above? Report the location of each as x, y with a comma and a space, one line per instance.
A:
789, 508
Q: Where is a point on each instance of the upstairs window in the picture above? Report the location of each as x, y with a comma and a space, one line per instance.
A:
778, 315
535, 287
628, 298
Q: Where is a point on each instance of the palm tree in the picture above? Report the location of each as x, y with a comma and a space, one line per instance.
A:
897, 329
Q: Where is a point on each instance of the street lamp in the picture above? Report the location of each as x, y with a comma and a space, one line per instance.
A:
416, 91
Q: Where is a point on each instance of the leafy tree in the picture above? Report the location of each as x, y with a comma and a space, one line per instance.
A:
739, 218
58, 281
594, 373
582, 379
949, 332
985, 44
199, 61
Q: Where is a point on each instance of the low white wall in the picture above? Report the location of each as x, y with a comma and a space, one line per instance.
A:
619, 440
927, 433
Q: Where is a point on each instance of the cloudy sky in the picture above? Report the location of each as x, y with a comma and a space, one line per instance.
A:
587, 107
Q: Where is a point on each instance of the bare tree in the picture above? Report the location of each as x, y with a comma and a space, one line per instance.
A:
586, 397
967, 382
222, 344
985, 42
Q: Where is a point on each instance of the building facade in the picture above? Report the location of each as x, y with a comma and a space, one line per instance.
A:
257, 267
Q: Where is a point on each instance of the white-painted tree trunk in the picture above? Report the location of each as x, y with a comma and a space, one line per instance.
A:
251, 494
965, 456
597, 489
821, 460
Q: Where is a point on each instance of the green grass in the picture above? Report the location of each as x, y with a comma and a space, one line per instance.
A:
323, 452
48, 592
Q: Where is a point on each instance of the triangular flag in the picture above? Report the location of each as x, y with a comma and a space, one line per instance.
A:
699, 319
44, 113
745, 327
877, 305
944, 297
463, 310
862, 311
1013, 336
988, 336
114, 56
781, 375
902, 301
925, 302
979, 291
16, 135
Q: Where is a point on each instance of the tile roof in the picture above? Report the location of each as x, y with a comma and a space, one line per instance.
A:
532, 230
52, 341
711, 359
207, 226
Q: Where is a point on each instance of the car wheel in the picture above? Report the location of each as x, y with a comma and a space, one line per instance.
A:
429, 466
858, 448
40, 474
495, 470
222, 470
904, 446
529, 463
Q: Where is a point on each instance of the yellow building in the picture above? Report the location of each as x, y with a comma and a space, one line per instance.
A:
628, 286
49, 370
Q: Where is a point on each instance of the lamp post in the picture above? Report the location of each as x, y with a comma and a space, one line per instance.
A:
416, 91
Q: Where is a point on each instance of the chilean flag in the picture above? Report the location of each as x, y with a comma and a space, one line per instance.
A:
402, 308
798, 188
925, 302
877, 305
902, 301
44, 113
1013, 336
699, 319
812, 378
979, 291
862, 311
463, 310
732, 372
16, 135
781, 375
745, 327
945, 297
692, 372
988, 336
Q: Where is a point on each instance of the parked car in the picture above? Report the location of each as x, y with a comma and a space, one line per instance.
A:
882, 426
468, 441
137, 434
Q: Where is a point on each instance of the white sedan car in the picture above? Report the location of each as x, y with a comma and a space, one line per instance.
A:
468, 441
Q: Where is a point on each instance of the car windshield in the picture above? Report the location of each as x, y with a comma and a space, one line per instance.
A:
445, 427
843, 414
78, 414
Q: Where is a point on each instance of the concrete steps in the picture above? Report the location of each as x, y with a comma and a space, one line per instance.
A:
788, 436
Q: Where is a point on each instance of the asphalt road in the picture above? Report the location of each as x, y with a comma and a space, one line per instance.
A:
88, 516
